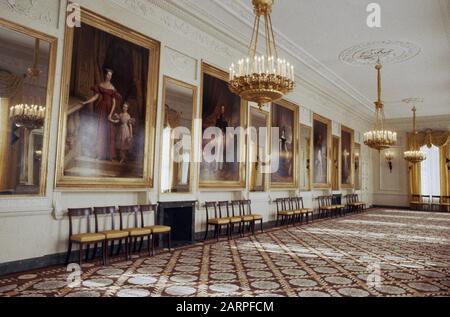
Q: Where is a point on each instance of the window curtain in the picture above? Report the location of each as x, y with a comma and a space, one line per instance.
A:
441, 139
445, 169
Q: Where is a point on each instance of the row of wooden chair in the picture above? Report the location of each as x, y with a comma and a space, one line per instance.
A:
125, 233
230, 214
354, 204
430, 203
328, 207
291, 210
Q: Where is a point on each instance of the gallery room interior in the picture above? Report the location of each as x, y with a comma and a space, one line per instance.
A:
225, 148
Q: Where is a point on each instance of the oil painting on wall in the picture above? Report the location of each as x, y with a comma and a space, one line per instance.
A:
346, 157
321, 149
107, 122
222, 110
285, 118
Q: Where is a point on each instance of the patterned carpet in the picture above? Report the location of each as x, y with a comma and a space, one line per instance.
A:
403, 253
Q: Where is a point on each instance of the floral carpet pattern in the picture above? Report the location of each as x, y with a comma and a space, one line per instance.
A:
377, 253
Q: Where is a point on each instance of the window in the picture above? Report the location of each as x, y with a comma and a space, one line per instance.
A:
430, 176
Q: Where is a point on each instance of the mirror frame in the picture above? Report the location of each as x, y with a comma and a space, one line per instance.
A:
53, 46
166, 81
357, 174
352, 153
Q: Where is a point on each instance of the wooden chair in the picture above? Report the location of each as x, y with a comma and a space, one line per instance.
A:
445, 203
426, 202
136, 231
325, 207
246, 206
362, 204
224, 210
338, 207
86, 238
216, 220
157, 229
299, 209
435, 204
353, 203
111, 235
283, 212
416, 202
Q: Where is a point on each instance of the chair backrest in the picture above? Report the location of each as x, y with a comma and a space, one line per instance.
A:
415, 198
236, 208
246, 207
280, 204
150, 208
110, 210
125, 211
426, 199
210, 206
445, 199
436, 199
299, 201
224, 210
76, 213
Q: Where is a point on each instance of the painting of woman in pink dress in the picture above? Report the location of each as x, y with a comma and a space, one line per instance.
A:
106, 97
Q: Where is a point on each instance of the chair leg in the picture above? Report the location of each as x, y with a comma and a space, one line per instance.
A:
81, 254
95, 251
69, 251
206, 232
149, 244
261, 221
105, 252
87, 252
169, 238
141, 243
111, 250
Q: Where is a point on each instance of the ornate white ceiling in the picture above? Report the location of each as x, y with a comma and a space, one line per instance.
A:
414, 36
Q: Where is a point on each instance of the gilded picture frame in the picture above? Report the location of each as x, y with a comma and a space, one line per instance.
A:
286, 105
306, 159
151, 88
166, 81
240, 181
326, 123
347, 174
253, 163
53, 46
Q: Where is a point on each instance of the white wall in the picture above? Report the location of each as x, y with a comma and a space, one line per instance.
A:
34, 227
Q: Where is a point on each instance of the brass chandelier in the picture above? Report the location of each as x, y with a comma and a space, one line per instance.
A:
32, 115
380, 138
262, 78
414, 155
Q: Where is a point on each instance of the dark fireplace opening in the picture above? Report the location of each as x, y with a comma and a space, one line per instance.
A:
180, 216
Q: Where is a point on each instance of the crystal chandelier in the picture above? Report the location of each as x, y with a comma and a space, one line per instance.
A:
262, 78
30, 116
379, 138
414, 155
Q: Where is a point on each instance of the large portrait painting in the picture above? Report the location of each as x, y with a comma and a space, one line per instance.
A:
347, 136
321, 152
108, 103
284, 116
223, 152
259, 161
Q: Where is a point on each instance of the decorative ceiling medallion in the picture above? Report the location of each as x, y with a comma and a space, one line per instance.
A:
388, 52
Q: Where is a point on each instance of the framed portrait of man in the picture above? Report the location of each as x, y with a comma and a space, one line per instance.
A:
284, 117
223, 118
347, 171
108, 106
321, 152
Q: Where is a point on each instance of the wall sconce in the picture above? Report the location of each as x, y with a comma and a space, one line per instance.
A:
447, 161
389, 157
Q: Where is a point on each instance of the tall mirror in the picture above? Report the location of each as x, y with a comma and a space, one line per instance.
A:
356, 161
27, 62
258, 148
180, 100
305, 157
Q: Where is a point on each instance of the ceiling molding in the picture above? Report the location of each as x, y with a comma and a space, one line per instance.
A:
430, 122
